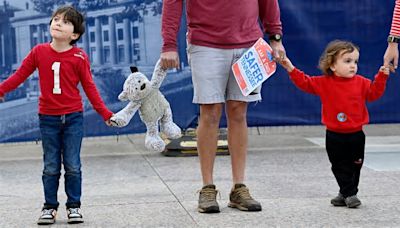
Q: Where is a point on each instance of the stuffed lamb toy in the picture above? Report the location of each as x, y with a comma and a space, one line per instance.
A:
145, 96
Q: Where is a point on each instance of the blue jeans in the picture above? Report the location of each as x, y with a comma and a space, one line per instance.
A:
61, 142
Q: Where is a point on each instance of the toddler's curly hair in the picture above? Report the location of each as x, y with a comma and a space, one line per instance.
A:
332, 51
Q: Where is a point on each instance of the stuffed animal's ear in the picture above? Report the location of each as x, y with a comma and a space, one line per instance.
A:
134, 69
123, 96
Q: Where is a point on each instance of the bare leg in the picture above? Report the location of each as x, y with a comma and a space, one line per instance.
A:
207, 137
236, 112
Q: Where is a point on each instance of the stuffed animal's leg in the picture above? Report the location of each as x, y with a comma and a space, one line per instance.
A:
168, 127
153, 140
122, 118
158, 75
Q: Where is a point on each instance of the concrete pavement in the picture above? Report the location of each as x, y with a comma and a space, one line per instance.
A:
287, 171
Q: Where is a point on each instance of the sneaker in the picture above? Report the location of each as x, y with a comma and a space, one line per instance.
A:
74, 215
208, 200
240, 198
352, 201
47, 217
338, 200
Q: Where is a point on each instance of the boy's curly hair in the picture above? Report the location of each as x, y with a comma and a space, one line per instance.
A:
331, 53
75, 17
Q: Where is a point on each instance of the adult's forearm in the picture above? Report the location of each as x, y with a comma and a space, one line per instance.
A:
170, 21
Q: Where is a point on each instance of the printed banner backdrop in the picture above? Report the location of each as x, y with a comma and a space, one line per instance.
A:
121, 33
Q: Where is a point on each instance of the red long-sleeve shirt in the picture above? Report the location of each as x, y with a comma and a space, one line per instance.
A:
73, 67
343, 100
395, 28
220, 24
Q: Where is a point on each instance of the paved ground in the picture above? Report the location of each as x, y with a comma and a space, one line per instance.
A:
288, 172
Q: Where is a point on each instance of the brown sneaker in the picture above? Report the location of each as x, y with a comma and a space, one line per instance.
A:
240, 198
208, 200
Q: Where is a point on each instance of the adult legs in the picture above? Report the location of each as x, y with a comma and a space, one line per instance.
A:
207, 138
237, 138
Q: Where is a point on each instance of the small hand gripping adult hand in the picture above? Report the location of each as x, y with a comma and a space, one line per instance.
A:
285, 63
385, 69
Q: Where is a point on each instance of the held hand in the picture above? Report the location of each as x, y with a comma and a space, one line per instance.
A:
2, 99
108, 122
386, 70
286, 63
391, 57
279, 52
169, 59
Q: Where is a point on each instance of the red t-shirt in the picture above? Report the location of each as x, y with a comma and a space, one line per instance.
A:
72, 68
343, 100
220, 24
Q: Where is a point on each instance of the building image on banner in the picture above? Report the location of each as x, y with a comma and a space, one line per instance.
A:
124, 33
118, 34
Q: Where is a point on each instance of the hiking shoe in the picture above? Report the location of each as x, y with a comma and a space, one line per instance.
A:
352, 201
47, 217
208, 200
338, 200
240, 198
74, 215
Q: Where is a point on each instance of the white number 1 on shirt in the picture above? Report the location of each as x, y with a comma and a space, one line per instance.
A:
56, 68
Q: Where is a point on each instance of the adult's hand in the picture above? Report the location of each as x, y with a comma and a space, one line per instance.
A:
2, 99
391, 56
169, 59
279, 51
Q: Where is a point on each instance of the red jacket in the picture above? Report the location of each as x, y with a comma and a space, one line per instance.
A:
73, 66
343, 99
220, 24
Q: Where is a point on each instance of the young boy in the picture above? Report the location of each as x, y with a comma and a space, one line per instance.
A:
343, 95
62, 67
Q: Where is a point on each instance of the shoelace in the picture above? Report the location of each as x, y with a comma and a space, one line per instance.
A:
209, 194
243, 193
73, 211
47, 211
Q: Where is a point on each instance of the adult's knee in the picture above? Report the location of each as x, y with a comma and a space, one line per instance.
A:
236, 111
210, 114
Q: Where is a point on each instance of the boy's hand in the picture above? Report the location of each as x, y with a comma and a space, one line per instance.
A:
386, 69
285, 63
2, 99
108, 122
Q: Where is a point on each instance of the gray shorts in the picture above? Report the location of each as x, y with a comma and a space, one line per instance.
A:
213, 80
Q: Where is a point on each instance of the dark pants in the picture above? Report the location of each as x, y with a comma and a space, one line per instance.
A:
346, 154
61, 142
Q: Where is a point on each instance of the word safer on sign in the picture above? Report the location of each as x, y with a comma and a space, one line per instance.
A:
254, 67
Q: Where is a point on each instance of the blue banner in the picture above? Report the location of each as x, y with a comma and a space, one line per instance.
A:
122, 33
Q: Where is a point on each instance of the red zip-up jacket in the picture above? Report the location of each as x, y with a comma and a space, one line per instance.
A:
343, 100
73, 67
220, 24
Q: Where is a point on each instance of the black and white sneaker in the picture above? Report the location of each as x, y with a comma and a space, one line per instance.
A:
47, 217
74, 215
